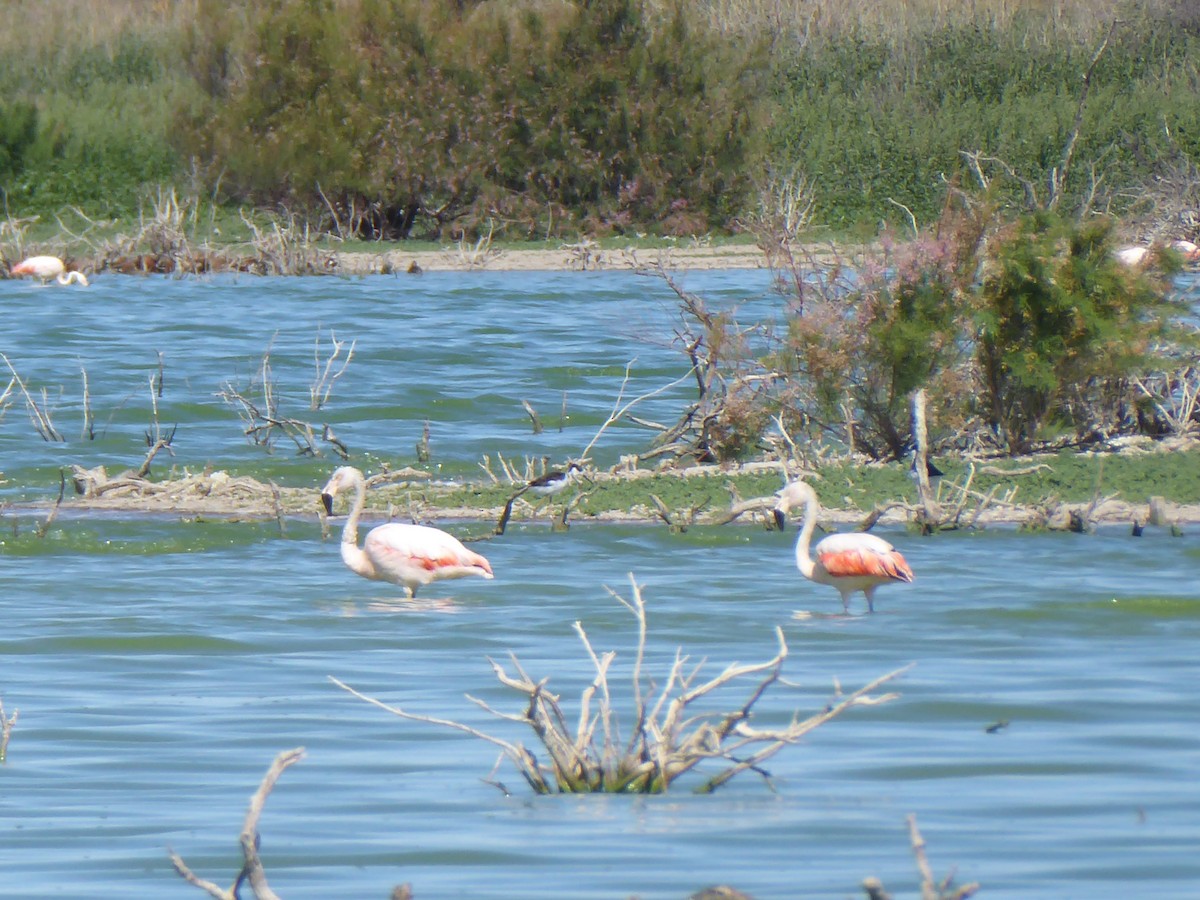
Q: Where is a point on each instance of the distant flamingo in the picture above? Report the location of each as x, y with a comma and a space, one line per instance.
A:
849, 562
45, 268
407, 555
1189, 251
1136, 256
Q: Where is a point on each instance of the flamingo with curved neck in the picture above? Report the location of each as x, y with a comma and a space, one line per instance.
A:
47, 268
407, 555
848, 562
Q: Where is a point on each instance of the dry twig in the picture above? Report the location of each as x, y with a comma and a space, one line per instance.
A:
43, 528
252, 871
620, 409
327, 375
931, 889
39, 414
6, 726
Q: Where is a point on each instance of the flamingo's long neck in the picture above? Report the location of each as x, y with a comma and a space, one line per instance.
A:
352, 554
804, 561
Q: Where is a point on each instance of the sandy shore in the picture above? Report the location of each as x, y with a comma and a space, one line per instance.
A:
570, 257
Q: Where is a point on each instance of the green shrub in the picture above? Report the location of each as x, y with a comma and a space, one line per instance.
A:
18, 131
552, 118
1056, 313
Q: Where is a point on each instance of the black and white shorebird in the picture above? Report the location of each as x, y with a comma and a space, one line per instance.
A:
552, 482
543, 486
933, 472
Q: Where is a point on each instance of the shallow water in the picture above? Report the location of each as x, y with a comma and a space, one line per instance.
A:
160, 664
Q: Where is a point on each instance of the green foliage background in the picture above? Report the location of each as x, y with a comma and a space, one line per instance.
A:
400, 118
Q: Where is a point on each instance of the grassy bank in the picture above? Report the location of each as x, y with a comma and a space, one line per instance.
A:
1035, 492
546, 119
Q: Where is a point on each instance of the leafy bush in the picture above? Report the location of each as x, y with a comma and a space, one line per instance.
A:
550, 119
18, 130
1056, 314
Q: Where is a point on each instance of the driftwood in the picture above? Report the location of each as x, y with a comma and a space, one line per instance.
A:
739, 508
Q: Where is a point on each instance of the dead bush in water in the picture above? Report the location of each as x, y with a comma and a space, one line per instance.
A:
263, 419
287, 247
670, 734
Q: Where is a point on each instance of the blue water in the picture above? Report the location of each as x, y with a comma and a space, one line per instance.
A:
160, 663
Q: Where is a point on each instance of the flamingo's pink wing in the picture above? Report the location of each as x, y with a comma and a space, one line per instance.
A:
859, 555
424, 547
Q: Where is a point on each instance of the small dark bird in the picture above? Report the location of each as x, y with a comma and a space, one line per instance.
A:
1138, 528
552, 482
933, 472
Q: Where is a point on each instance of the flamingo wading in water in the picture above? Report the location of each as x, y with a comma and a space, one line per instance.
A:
407, 555
47, 268
848, 562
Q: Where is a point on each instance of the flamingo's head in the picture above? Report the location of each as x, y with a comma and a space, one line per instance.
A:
343, 478
794, 494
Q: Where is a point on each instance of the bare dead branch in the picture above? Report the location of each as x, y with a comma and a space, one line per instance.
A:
620, 409
326, 376
533, 416
39, 414
252, 871
42, 528
89, 421
7, 723
423, 454
1058, 177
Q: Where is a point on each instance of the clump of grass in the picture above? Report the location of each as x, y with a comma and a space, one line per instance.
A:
674, 731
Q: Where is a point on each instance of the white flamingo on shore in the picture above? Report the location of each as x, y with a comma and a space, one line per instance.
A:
46, 269
848, 562
1137, 256
407, 555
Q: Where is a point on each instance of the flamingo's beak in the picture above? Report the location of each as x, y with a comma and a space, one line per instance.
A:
780, 518
327, 502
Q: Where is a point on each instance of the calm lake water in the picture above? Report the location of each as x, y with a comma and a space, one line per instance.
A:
160, 663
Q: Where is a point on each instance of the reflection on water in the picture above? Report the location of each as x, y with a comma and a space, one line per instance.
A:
396, 606
159, 665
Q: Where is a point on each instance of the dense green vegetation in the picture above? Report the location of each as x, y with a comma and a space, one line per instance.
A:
399, 118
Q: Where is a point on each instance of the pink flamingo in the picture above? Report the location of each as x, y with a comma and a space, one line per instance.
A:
407, 555
45, 268
1131, 256
1189, 251
848, 562
1136, 256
